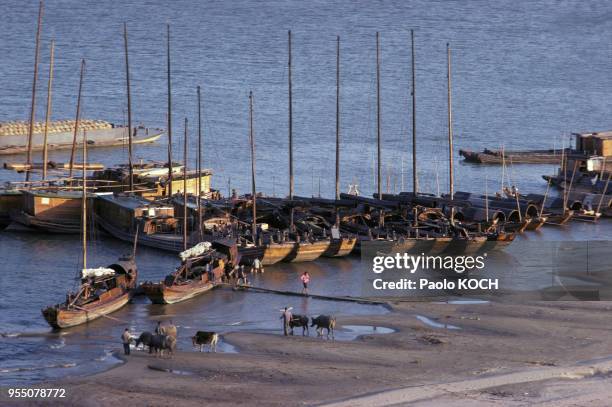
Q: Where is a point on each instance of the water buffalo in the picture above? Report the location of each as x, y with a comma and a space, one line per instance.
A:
145, 339
324, 322
159, 343
203, 338
299, 321
169, 330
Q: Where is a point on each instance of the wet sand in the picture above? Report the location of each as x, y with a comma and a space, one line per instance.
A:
535, 353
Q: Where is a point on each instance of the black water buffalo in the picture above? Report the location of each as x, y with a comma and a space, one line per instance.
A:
324, 322
159, 343
299, 321
145, 339
203, 338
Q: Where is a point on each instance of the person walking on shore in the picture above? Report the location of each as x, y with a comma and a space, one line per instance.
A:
126, 338
286, 317
305, 280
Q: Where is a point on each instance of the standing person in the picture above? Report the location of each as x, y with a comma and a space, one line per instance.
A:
305, 280
158, 328
286, 317
126, 338
257, 266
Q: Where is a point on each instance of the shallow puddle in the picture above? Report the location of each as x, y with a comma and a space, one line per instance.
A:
367, 329
434, 324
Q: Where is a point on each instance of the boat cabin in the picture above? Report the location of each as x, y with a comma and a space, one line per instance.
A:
53, 205
126, 211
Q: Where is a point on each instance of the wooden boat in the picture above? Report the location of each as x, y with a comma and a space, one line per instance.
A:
307, 250
536, 222
101, 290
340, 247
122, 216
268, 253
97, 296
559, 219
50, 211
201, 269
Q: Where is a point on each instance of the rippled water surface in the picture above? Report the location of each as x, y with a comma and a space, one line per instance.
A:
524, 74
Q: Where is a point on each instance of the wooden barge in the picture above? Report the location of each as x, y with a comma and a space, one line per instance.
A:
49, 211
60, 135
498, 157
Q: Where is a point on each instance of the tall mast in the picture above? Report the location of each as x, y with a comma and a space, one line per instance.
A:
199, 162
338, 117
253, 188
45, 155
450, 123
35, 80
84, 199
77, 119
415, 179
129, 109
291, 184
169, 119
379, 171
185, 188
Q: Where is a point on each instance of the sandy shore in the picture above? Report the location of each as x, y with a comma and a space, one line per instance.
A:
535, 353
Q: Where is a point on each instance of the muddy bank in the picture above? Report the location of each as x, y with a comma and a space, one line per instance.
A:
527, 347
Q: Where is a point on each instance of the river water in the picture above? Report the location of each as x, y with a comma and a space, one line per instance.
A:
525, 74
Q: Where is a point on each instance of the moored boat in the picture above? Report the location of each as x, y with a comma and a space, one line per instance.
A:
307, 250
340, 247
202, 268
101, 292
50, 211
60, 135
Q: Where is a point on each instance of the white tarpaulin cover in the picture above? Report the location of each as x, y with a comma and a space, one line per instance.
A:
99, 272
196, 250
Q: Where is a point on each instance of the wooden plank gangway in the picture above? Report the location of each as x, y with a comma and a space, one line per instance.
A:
358, 300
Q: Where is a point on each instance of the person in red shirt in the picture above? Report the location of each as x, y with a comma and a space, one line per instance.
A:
305, 277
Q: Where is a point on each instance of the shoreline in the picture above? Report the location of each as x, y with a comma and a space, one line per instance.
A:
499, 350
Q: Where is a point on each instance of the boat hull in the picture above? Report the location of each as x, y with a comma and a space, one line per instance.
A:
66, 227
17, 144
63, 318
307, 251
170, 243
269, 254
159, 293
340, 247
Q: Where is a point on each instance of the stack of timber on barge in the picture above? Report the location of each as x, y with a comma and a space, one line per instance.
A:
498, 157
151, 180
587, 145
60, 135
